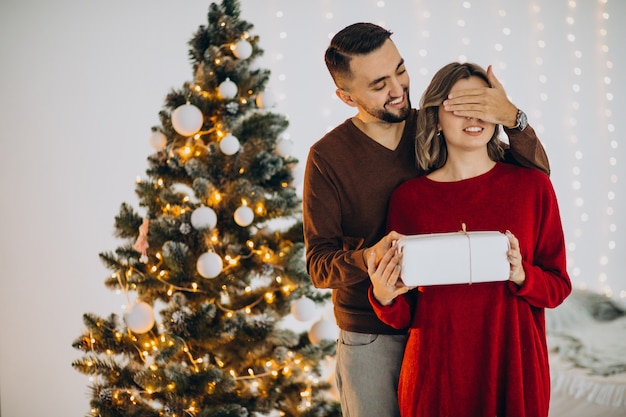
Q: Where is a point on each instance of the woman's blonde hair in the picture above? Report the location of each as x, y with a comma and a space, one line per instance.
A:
430, 150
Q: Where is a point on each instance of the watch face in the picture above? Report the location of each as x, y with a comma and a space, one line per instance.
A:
522, 121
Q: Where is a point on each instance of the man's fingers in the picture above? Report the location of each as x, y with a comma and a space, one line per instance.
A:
470, 95
495, 83
371, 264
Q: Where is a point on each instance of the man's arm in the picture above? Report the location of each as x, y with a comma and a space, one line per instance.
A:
526, 149
327, 262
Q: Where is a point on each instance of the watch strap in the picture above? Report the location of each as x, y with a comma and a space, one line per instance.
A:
521, 120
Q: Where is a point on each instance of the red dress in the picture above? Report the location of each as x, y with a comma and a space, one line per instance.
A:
480, 349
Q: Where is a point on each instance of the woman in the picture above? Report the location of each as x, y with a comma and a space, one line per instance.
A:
479, 349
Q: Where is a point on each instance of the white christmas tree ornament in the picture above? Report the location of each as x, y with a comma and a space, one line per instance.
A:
139, 317
284, 147
227, 89
209, 265
298, 175
244, 216
158, 140
187, 119
203, 218
303, 309
242, 49
229, 145
323, 330
265, 100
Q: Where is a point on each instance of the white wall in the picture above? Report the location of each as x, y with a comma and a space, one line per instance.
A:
82, 82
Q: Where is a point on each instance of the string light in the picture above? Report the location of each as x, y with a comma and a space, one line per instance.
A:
538, 51
576, 185
462, 33
423, 21
607, 133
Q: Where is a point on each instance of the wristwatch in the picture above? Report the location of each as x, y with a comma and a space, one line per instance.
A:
521, 121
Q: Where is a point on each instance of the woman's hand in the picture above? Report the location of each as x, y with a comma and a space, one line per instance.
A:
517, 274
386, 276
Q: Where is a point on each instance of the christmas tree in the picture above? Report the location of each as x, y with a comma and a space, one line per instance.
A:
215, 261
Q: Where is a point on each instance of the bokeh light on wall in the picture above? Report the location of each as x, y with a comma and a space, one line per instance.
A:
581, 216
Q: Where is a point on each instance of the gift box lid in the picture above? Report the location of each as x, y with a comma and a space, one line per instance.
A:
454, 258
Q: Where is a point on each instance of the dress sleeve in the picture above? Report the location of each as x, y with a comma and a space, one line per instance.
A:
328, 263
547, 282
526, 150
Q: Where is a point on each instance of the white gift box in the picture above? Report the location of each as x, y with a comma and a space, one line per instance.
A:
454, 258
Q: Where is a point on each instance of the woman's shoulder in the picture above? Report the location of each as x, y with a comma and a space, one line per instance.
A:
532, 174
524, 179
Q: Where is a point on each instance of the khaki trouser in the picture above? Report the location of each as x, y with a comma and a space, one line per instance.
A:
367, 371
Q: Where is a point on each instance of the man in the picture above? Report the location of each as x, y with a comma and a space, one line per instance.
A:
350, 174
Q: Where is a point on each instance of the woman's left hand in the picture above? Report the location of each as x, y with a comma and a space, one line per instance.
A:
517, 274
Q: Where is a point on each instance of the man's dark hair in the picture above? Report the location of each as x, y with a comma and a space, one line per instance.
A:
356, 39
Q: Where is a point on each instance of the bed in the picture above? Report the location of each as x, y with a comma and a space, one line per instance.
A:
587, 341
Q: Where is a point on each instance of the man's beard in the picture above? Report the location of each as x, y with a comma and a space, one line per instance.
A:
390, 117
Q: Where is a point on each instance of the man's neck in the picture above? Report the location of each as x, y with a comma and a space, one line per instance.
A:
385, 133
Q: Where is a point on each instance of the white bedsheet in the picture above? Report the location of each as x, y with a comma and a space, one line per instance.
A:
587, 341
576, 393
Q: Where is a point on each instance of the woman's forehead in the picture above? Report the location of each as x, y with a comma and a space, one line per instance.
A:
466, 83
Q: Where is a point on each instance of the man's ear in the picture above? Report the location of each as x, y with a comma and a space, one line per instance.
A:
345, 97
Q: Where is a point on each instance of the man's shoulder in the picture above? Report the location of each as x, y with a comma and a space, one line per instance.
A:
333, 139
342, 129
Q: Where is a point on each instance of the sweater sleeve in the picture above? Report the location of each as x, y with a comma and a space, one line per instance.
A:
526, 149
328, 263
547, 282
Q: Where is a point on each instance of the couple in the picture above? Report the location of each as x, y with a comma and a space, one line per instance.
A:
470, 351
